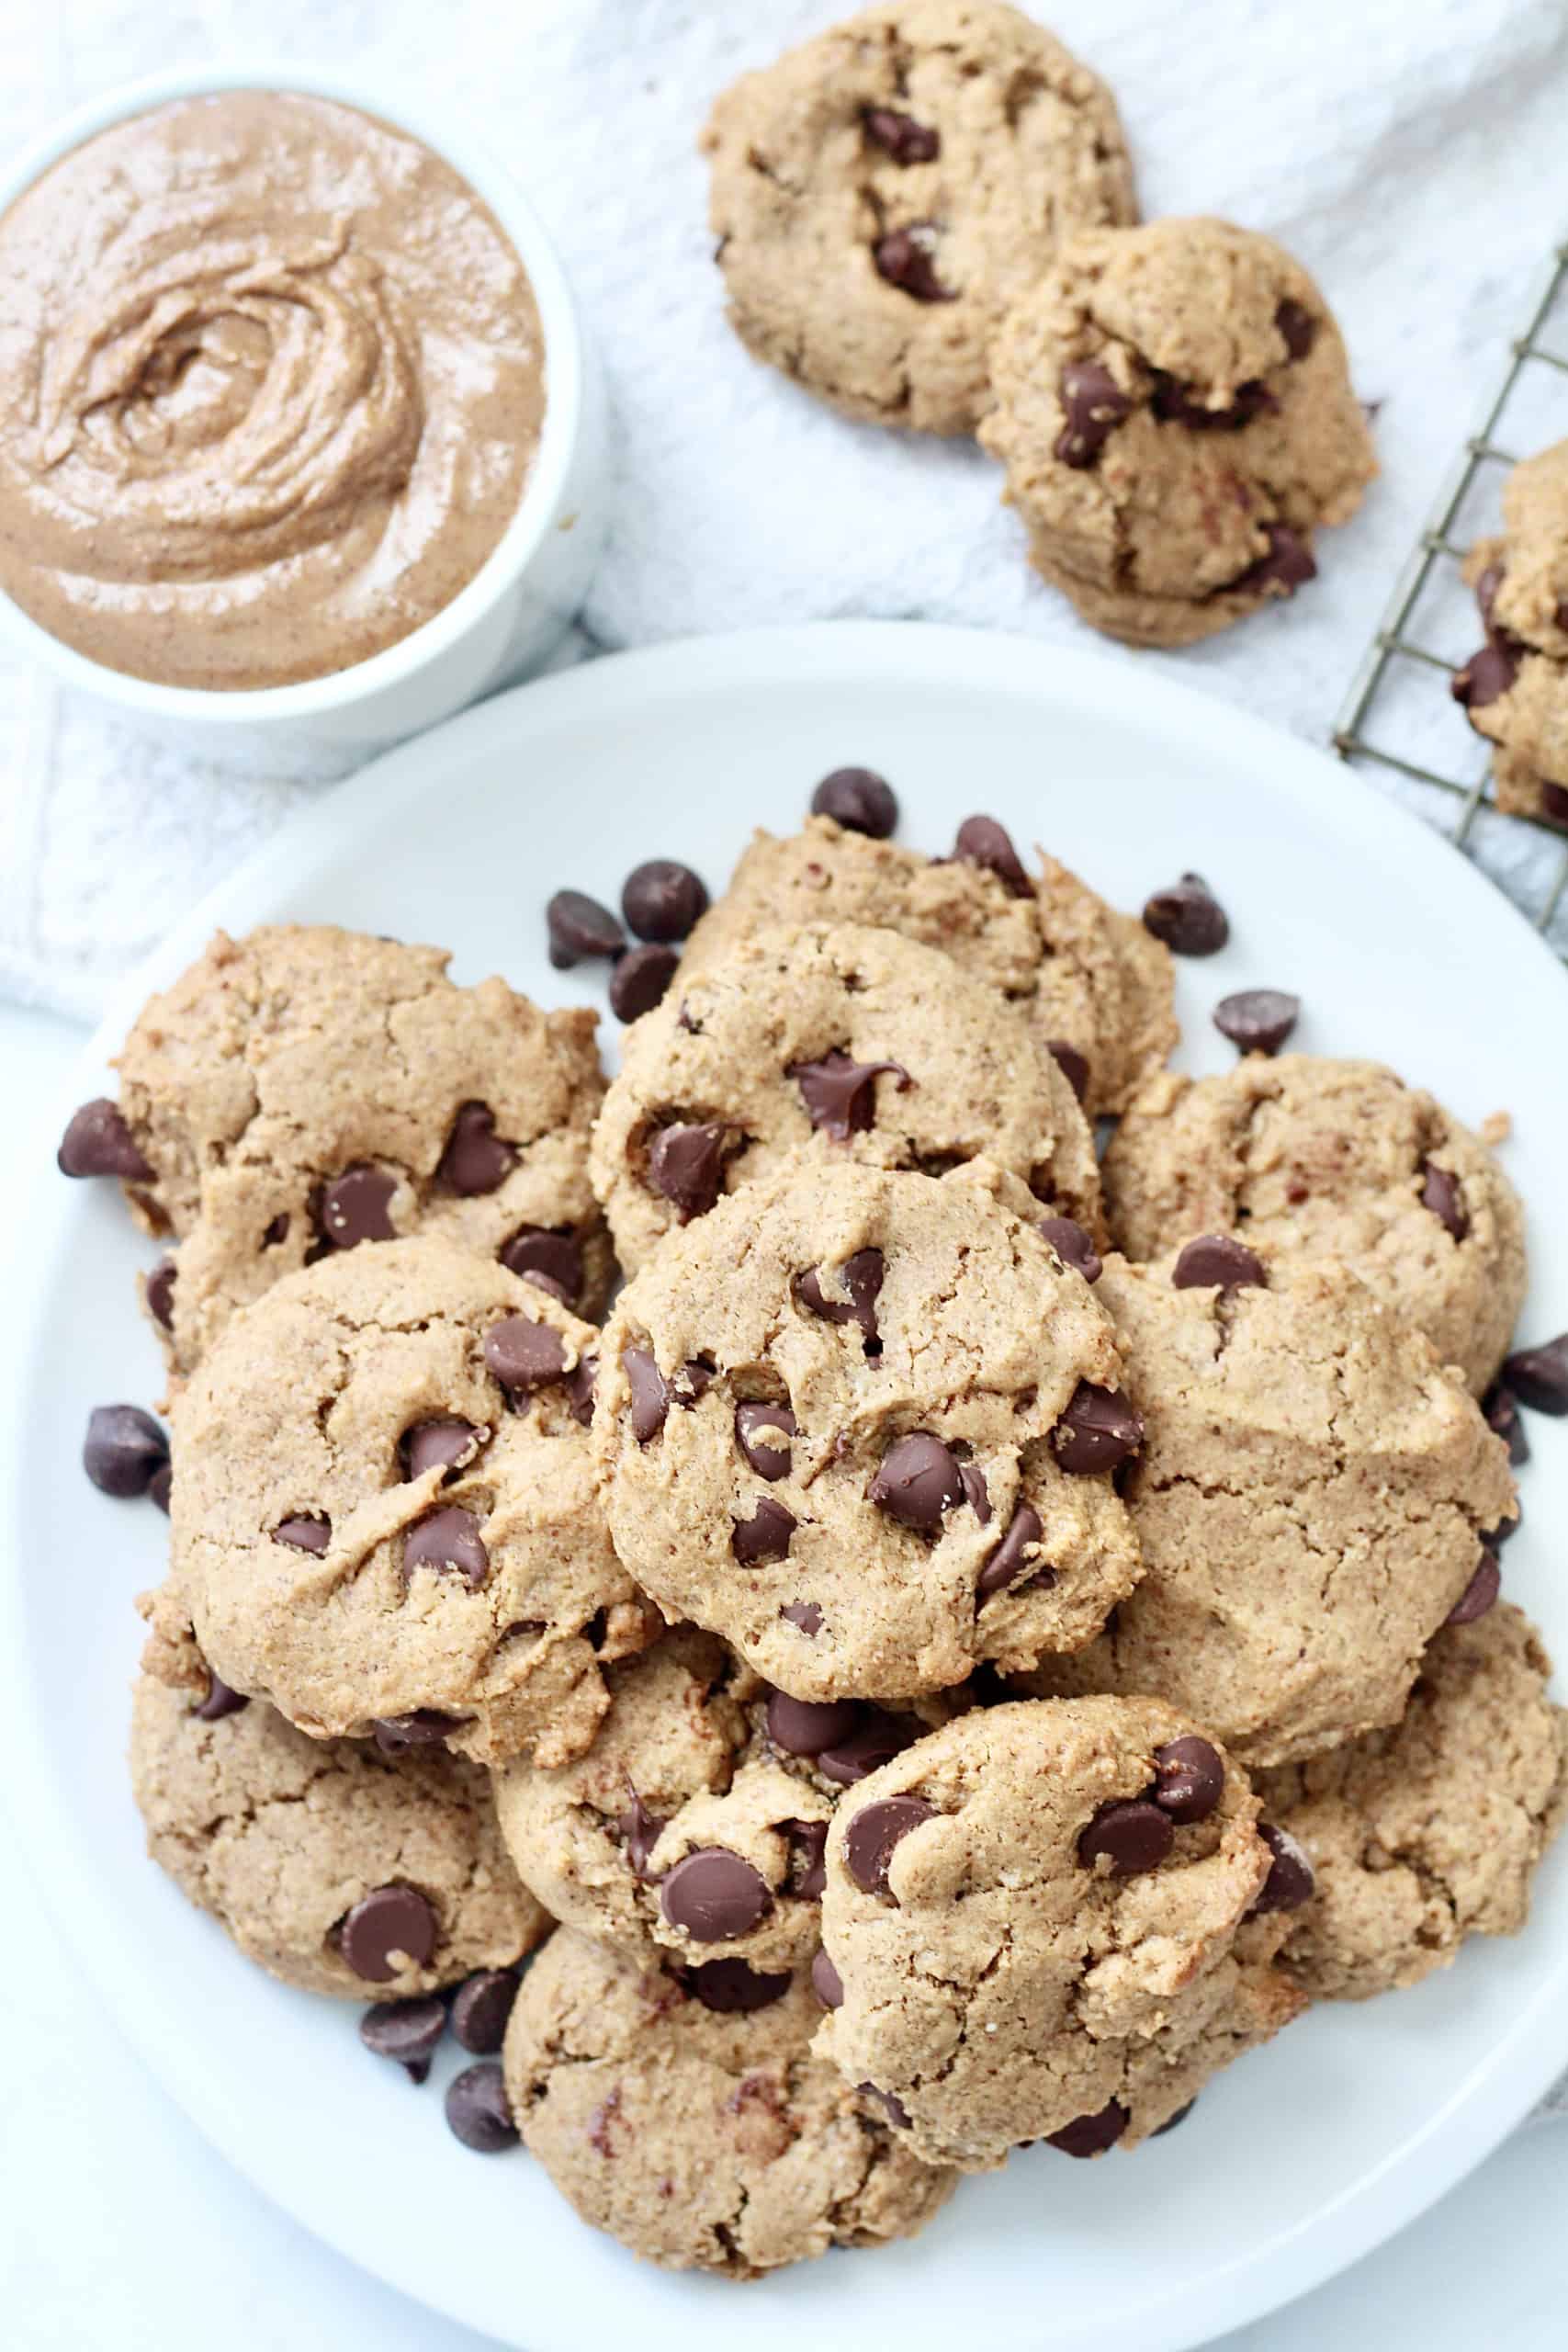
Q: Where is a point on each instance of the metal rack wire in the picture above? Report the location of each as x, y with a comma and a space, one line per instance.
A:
1367, 728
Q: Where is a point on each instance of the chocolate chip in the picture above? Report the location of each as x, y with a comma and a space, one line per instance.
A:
875, 1740
640, 980
353, 1206
1098, 1429
763, 1538
480, 2008
1008, 1561
1479, 1594
892, 2106
534, 1249
712, 1895
640, 1831
982, 842
405, 2031
1501, 1408
1495, 1537
901, 136
805, 1727
161, 1292
1488, 583
1172, 2121
1190, 1778
1131, 1836
1487, 677
580, 926
579, 1391
860, 1277
1217, 1261
874, 1832
762, 1433
123, 1451
825, 1981
692, 1381
860, 800
841, 1094
475, 1160
1553, 803
304, 1532
525, 1355
220, 1700
805, 1616
449, 1541
1298, 328
686, 1164
1441, 1193
808, 1857
1094, 405
1173, 403
162, 1486
662, 901
1073, 1065
1073, 1246
391, 1926
917, 1481
276, 1233
1259, 1020
439, 1444
397, 1735
1288, 563
1539, 1376
650, 1393
732, 1989
97, 1142
478, 2109
1188, 917
904, 257
1090, 2135
1291, 1879
977, 1494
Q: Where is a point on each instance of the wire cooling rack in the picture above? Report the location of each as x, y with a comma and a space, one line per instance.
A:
1399, 714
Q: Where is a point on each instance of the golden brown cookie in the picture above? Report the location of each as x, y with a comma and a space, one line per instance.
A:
1515, 689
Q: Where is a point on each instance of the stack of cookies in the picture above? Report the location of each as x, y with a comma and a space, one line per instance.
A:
974, 1637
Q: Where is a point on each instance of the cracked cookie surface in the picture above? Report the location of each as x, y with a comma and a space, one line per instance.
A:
881, 195
1030, 1917
862, 1423
702, 2138
286, 1840
384, 1503
1312, 1499
305, 1089
1305, 1157
859, 1034
1174, 415
1515, 690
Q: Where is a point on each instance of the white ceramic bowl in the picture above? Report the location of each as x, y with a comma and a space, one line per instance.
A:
511, 616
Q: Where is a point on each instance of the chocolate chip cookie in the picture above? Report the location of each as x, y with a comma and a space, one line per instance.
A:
1174, 411
698, 2128
305, 1089
858, 1036
863, 1423
384, 1508
1096, 987
330, 1864
1515, 689
1304, 1157
1028, 1926
883, 193
1313, 1497
1429, 1832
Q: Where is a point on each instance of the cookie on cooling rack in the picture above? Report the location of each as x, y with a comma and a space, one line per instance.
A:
1515, 690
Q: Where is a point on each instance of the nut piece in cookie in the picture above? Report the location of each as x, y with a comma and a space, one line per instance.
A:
1515, 690
702, 2134
1174, 411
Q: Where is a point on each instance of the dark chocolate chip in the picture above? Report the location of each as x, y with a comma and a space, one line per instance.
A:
1441, 1193
580, 1390
161, 1292
1288, 563
478, 2109
733, 1988
1188, 917
825, 1981
640, 1831
1172, 2121
580, 926
762, 1432
874, 1832
534, 1249
1217, 1261
1298, 328
1290, 1878
692, 1381
1190, 1778
805, 1727
1539, 1376
977, 1494
162, 1486
640, 980
712, 1895
763, 1538
220, 1700
439, 1444
841, 1094
1479, 1594
97, 1142
917, 1481
1487, 676
1093, 404
650, 1393
1090, 2135
1098, 1429
1501, 1408
276, 1233
525, 1355
1007, 1563
860, 1277
1259, 1020
304, 1530
424, 1727
892, 2106
480, 2008
406, 2031
1131, 1836
686, 1164
448, 1541
1173, 403
353, 1206
476, 1159
1488, 583
1073, 1065
388, 1922
875, 1740
123, 1451
901, 136
860, 800
982, 842
1553, 803
662, 901
548, 1284
1073, 1246
905, 258
808, 1857
805, 1616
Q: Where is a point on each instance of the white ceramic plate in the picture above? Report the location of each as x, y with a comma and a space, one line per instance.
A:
1300, 2159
